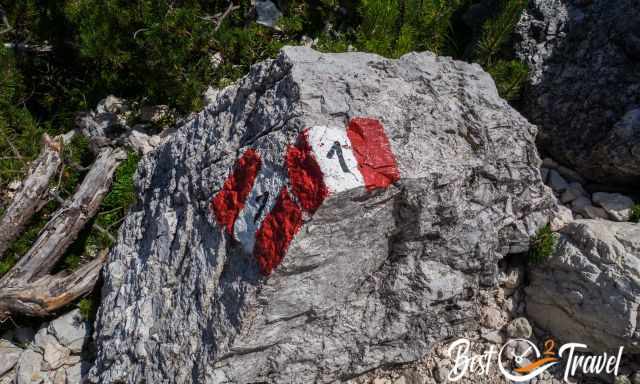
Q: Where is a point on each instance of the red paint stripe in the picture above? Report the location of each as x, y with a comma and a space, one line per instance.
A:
276, 232
229, 201
305, 176
372, 150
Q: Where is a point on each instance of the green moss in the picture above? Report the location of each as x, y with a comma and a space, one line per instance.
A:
542, 245
7, 264
87, 307
635, 213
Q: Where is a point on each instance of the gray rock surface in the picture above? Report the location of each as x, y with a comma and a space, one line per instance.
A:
557, 182
9, 355
589, 290
584, 96
28, 368
59, 353
618, 206
519, 328
71, 330
372, 278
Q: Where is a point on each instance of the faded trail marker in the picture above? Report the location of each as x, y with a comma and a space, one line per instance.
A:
263, 210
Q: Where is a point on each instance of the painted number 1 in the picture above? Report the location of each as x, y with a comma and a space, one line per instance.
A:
336, 148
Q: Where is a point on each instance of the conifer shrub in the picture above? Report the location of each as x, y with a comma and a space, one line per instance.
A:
635, 213
542, 245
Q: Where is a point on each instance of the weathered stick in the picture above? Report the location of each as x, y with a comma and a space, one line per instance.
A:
49, 293
32, 195
5, 21
66, 223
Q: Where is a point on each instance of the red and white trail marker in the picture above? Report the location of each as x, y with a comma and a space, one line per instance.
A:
262, 206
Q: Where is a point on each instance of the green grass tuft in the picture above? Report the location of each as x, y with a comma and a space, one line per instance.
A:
109, 217
510, 77
542, 245
496, 32
87, 307
494, 45
635, 213
7, 264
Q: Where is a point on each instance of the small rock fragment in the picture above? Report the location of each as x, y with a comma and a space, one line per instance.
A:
154, 114
570, 174
400, 380
492, 318
511, 279
112, 104
210, 95
268, 13
441, 374
557, 182
563, 217
494, 337
580, 203
519, 328
617, 206
71, 330
9, 355
28, 368
60, 376
54, 353
74, 374
592, 212
544, 174
574, 191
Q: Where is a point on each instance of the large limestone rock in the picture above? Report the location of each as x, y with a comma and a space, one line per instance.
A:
584, 94
372, 277
589, 290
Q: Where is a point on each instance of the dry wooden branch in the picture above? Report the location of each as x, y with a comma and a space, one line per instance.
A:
66, 223
15, 151
49, 293
220, 18
33, 48
32, 194
5, 21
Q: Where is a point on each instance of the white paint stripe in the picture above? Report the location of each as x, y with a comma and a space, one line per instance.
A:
269, 180
322, 140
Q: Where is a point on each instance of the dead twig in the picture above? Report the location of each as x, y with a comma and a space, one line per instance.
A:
218, 18
35, 48
32, 195
135, 34
5, 21
104, 232
51, 292
66, 223
15, 151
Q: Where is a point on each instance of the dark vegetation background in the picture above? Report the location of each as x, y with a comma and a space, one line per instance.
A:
61, 57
